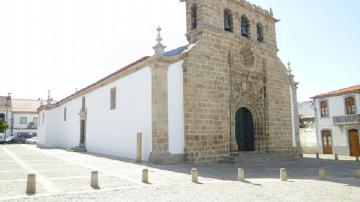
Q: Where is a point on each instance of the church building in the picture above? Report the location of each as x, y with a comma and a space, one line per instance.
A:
224, 94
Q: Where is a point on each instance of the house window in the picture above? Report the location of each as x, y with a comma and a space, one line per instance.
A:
194, 16
65, 113
324, 109
350, 105
113, 98
259, 31
245, 26
23, 120
35, 121
228, 22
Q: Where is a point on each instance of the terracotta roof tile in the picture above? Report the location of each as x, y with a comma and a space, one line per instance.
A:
19, 105
339, 92
3, 102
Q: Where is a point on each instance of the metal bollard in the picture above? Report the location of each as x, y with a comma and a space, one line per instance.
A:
322, 174
283, 174
94, 183
194, 175
138, 147
357, 173
336, 157
31, 184
145, 175
241, 174
357, 158
317, 155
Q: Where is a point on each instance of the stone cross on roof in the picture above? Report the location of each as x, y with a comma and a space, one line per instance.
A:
289, 68
159, 47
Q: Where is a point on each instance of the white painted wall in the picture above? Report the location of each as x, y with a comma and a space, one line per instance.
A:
17, 117
339, 134
111, 132
176, 108
114, 131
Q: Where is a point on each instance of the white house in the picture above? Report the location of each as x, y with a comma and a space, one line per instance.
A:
338, 121
25, 117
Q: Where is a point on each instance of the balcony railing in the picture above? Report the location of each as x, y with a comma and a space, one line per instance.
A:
347, 119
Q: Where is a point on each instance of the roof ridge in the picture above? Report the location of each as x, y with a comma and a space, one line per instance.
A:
339, 91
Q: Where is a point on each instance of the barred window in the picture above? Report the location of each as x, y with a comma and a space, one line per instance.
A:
65, 113
113, 98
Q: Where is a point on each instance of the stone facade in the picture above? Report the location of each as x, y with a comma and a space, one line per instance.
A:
226, 71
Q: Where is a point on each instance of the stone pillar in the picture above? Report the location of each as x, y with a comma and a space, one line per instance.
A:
357, 173
283, 174
138, 147
194, 175
94, 182
31, 184
322, 174
145, 176
160, 138
241, 174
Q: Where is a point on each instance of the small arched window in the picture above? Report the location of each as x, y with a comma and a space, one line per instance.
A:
228, 22
350, 105
324, 109
259, 31
245, 26
193, 16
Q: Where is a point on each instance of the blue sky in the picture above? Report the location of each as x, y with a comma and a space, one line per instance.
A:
64, 45
321, 38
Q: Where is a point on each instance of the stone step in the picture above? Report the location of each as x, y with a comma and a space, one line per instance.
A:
255, 157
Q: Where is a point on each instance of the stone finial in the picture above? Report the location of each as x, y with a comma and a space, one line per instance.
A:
289, 67
49, 99
159, 47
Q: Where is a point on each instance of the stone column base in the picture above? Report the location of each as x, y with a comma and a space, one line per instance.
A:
166, 158
80, 148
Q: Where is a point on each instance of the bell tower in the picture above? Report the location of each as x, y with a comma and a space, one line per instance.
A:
232, 74
238, 17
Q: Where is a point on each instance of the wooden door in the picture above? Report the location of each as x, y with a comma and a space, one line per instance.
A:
327, 144
244, 130
354, 143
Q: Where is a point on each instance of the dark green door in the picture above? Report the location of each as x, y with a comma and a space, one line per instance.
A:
244, 130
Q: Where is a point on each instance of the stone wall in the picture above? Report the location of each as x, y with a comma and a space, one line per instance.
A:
226, 71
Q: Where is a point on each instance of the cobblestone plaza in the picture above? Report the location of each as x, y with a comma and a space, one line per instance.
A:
65, 176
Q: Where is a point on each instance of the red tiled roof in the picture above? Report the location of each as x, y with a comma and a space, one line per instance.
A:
19, 105
339, 92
